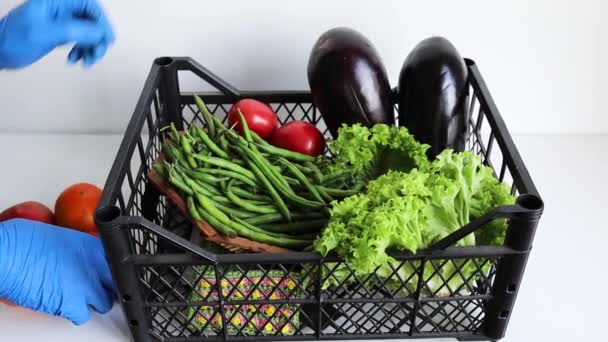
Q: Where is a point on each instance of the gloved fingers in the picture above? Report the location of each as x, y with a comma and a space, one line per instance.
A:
99, 51
80, 31
94, 54
75, 54
105, 23
76, 310
100, 298
88, 57
103, 269
90, 9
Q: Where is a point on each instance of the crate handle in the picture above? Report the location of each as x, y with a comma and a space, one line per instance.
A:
189, 64
110, 218
526, 203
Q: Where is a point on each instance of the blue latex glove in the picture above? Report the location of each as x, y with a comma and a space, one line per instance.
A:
54, 270
32, 30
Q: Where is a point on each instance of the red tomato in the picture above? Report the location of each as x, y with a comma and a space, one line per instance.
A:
30, 210
300, 136
259, 117
75, 207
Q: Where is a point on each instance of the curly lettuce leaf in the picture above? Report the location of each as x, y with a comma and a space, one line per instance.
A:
370, 152
364, 226
409, 211
490, 194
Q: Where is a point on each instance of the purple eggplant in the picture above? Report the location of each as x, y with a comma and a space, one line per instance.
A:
432, 95
348, 81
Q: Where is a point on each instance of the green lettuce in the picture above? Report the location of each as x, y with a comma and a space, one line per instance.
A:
490, 194
370, 152
410, 210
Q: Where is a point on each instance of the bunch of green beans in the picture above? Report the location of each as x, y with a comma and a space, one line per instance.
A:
244, 186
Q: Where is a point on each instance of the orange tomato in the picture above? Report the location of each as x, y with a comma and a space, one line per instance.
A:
75, 207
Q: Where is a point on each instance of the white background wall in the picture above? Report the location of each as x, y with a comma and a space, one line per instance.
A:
541, 59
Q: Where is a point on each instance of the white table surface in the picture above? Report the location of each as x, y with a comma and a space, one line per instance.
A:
562, 297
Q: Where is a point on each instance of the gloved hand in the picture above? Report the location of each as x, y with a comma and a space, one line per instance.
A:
54, 270
36, 27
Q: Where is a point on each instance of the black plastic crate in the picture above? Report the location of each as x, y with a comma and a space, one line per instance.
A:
168, 283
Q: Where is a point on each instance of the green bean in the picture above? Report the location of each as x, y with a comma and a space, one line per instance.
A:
244, 126
325, 195
181, 186
278, 235
173, 152
204, 177
245, 204
222, 203
303, 168
225, 225
199, 188
192, 209
286, 153
254, 153
223, 172
234, 212
236, 140
229, 131
196, 187
286, 191
221, 129
191, 161
212, 146
291, 181
273, 175
208, 154
224, 229
208, 205
336, 175
174, 132
299, 200
224, 143
273, 193
208, 187
359, 186
316, 171
202, 107
177, 156
281, 240
337, 183
267, 218
238, 162
160, 170
186, 145
257, 139
302, 178
192, 133
225, 164
220, 199
222, 133
179, 183
223, 185
273, 218
308, 248
260, 203
251, 196
276, 174
296, 227
338, 192
276, 171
